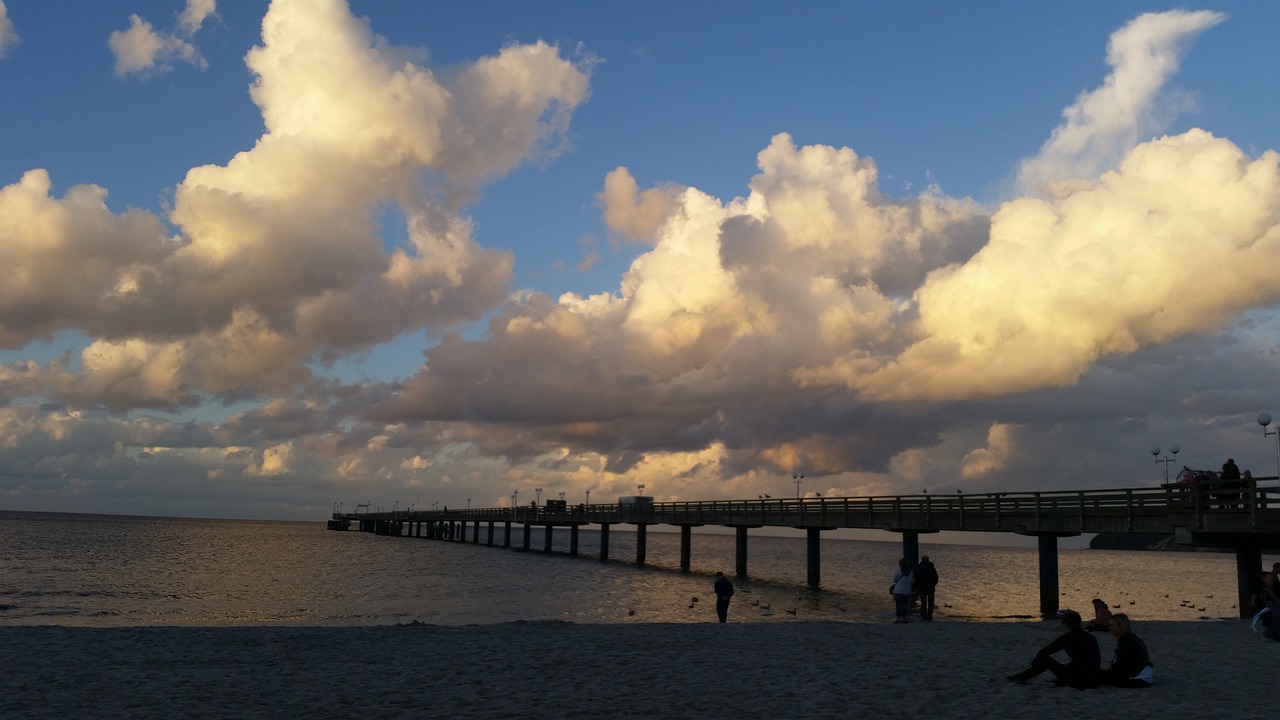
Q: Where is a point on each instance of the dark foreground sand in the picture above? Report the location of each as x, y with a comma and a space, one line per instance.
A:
950, 670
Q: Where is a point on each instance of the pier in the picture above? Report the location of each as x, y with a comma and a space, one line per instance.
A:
1243, 518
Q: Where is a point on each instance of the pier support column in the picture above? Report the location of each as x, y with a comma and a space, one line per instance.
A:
528, 530
490, 533
573, 541
1248, 572
740, 551
911, 548
604, 541
475, 533
686, 547
1048, 543
813, 536
506, 534
641, 536
546, 545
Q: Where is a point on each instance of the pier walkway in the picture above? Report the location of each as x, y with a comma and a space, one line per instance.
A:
1244, 518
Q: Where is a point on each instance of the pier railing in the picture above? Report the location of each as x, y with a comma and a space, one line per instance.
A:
1251, 507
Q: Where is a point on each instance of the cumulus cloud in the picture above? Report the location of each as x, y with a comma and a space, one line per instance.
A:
277, 260
1115, 266
816, 323
1104, 124
821, 299
8, 35
635, 213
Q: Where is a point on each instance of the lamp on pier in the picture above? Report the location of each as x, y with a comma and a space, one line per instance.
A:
797, 477
640, 488
1174, 449
537, 495
588, 498
1264, 419
562, 495
468, 503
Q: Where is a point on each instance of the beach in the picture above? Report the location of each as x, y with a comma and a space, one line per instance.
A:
954, 670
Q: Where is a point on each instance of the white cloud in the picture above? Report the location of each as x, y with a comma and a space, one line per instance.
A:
8, 35
635, 213
277, 260
816, 323
141, 49
1106, 123
195, 13
1115, 266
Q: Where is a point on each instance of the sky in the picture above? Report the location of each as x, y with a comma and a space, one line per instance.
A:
265, 259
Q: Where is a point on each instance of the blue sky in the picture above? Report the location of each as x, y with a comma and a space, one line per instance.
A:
897, 246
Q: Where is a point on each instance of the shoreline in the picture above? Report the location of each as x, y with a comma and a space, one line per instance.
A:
557, 669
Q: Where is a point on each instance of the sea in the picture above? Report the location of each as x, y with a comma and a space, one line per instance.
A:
125, 571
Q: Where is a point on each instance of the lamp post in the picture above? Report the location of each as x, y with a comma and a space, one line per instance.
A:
537, 495
468, 503
1174, 449
514, 493
561, 496
640, 489
798, 477
1264, 419
588, 498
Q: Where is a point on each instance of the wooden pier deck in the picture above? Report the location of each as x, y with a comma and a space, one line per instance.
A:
1244, 518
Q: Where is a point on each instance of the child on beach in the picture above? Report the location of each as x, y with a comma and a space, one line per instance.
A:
1101, 617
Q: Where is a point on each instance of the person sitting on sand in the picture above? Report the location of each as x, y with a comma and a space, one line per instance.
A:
1131, 667
1084, 659
1101, 617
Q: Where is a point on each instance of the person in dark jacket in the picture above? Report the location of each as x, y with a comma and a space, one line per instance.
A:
1132, 665
1084, 659
724, 592
926, 586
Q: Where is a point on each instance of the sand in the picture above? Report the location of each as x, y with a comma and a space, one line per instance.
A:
953, 670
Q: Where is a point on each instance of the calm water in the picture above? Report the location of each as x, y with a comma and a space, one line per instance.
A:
90, 570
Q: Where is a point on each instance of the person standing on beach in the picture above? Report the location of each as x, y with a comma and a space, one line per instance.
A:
902, 589
1271, 596
1084, 660
926, 585
724, 592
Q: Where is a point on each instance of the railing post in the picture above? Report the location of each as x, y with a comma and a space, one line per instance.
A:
1128, 501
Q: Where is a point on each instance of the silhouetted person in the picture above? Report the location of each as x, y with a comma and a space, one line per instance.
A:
724, 592
902, 589
1229, 483
1271, 596
1132, 665
1084, 660
1101, 617
926, 585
